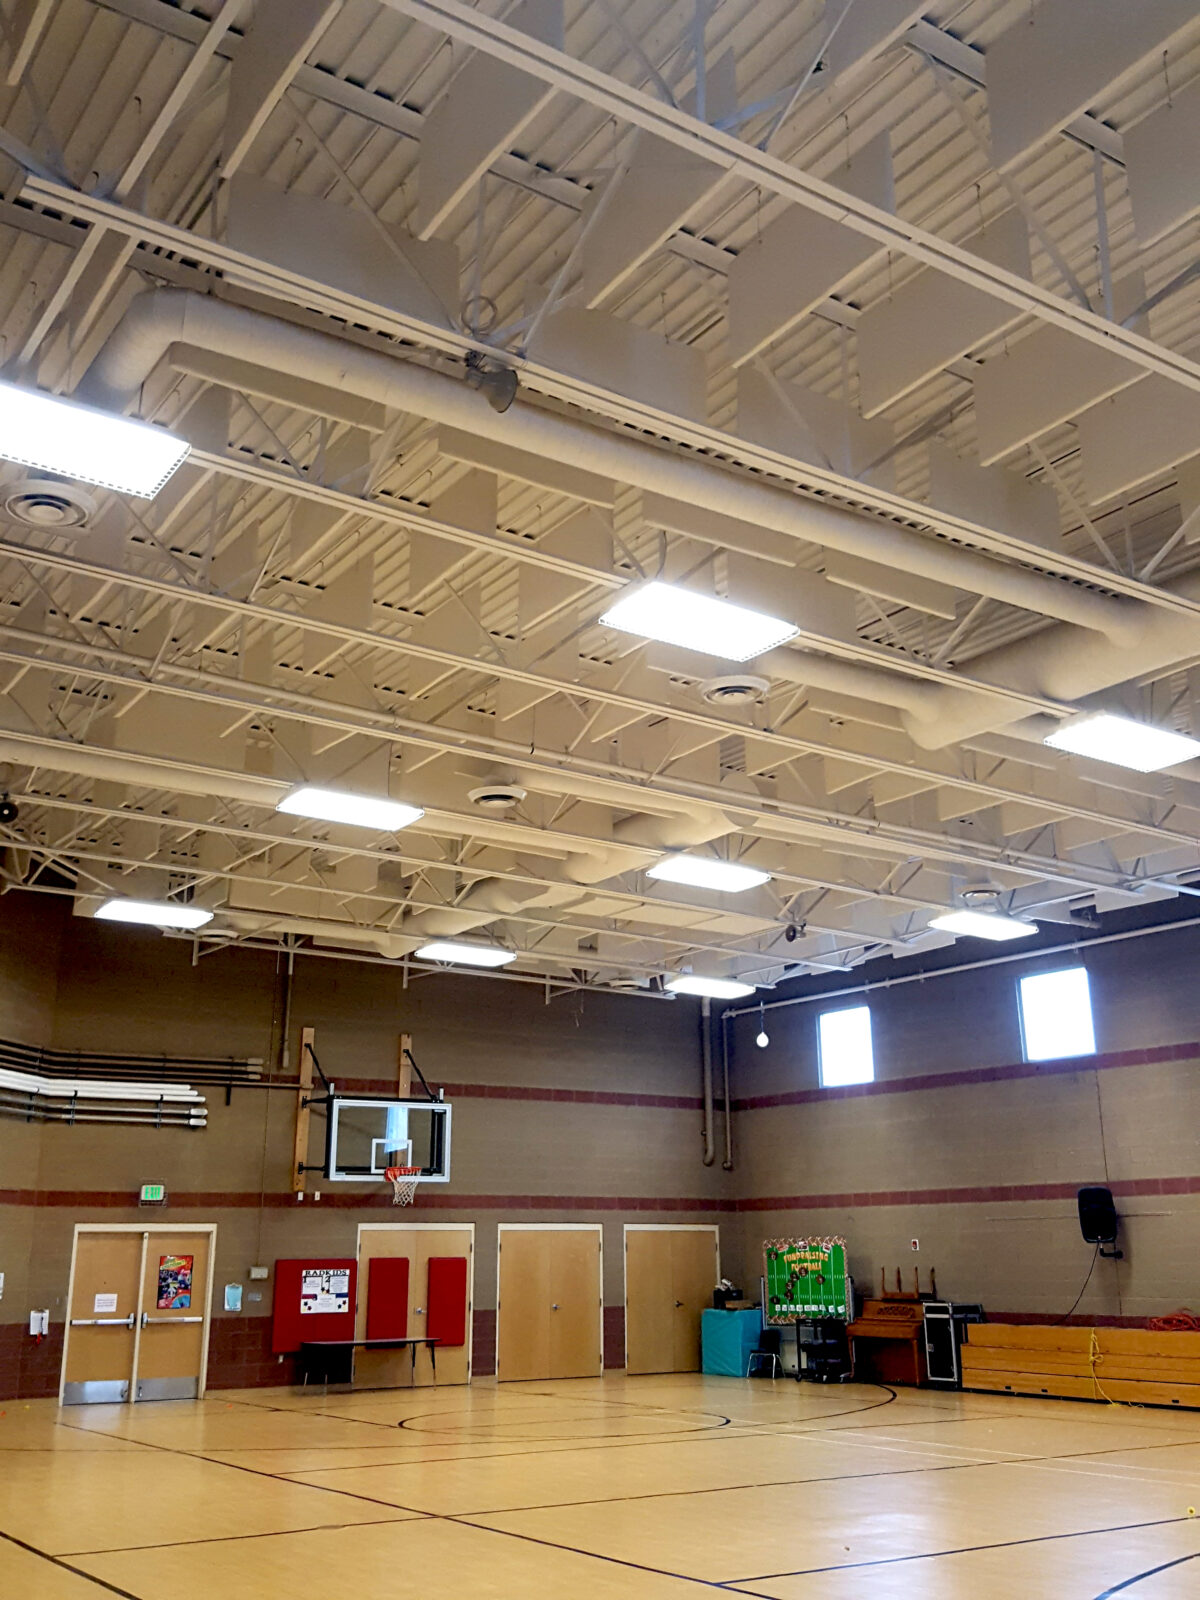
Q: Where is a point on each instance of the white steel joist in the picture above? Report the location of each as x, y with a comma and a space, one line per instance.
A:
780, 177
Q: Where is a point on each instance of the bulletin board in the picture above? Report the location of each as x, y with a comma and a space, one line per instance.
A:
805, 1278
314, 1299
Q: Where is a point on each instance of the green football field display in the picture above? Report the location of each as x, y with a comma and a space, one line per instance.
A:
805, 1278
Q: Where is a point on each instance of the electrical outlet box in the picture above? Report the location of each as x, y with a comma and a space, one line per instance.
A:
260, 1272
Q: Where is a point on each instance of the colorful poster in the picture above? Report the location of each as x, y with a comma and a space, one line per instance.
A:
806, 1278
175, 1282
323, 1293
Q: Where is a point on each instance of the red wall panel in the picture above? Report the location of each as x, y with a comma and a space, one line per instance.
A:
288, 1328
447, 1310
387, 1297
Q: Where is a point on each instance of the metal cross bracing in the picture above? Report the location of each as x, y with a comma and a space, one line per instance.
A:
141, 613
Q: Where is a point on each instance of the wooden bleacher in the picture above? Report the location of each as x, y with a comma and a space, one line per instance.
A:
1131, 1365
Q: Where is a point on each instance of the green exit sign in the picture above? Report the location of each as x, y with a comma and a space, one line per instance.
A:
153, 1194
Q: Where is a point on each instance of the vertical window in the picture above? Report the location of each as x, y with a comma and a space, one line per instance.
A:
1056, 1015
844, 1041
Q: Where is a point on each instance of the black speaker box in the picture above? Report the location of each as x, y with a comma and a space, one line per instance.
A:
1097, 1216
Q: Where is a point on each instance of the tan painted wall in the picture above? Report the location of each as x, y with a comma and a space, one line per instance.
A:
514, 1159
864, 1164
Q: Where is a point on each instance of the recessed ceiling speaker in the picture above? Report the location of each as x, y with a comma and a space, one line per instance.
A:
1098, 1220
739, 689
51, 504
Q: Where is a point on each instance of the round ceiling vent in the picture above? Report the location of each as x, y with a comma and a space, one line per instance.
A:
497, 796
48, 503
982, 894
740, 689
628, 983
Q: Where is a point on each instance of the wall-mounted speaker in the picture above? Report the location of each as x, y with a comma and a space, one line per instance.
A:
1097, 1216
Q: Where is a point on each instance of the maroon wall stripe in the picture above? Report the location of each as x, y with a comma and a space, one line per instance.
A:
946, 1080
224, 1200
520, 1091
988, 1195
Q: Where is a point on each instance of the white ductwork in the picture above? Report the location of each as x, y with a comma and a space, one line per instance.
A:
484, 902
1061, 663
161, 318
682, 827
117, 766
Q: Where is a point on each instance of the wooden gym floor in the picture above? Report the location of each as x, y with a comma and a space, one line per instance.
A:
667, 1488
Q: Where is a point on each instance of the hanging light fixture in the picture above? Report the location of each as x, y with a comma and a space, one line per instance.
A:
763, 1039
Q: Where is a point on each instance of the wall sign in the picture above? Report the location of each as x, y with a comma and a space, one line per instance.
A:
322, 1292
174, 1283
104, 1304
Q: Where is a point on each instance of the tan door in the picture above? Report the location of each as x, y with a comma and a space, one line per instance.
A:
549, 1315
669, 1279
174, 1304
102, 1318
378, 1369
693, 1279
523, 1307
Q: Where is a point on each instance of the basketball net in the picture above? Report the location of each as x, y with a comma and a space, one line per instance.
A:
404, 1182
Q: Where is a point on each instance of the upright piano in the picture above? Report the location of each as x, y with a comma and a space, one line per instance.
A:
887, 1341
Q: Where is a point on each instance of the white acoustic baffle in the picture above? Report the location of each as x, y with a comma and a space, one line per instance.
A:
933, 318
1162, 166
1146, 429
1058, 58
801, 257
863, 32
634, 362
799, 422
993, 497
1047, 378
481, 115
656, 185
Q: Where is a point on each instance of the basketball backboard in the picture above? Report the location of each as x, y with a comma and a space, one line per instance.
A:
366, 1136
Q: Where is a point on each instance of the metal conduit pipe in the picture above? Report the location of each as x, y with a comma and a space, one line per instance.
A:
160, 318
1061, 663
708, 1129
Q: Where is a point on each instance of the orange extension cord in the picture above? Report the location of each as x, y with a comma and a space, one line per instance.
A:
1178, 1322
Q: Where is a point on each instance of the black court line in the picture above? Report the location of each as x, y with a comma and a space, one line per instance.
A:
57, 1561
1149, 1573
964, 1550
236, 1538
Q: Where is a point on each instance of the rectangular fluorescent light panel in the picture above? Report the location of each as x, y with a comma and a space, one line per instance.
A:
983, 925
696, 622
1124, 742
1056, 1015
844, 1050
77, 441
703, 872
154, 913
355, 810
709, 988
465, 955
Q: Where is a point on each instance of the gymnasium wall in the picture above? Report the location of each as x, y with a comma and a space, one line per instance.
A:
586, 1109
962, 1146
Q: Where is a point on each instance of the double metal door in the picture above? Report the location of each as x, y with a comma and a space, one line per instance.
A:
137, 1317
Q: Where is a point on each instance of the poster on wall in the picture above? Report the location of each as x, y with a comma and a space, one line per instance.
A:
805, 1278
323, 1292
175, 1282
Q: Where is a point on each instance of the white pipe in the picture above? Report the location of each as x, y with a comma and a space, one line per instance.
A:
162, 317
